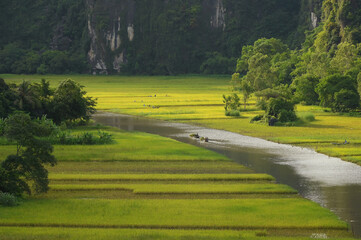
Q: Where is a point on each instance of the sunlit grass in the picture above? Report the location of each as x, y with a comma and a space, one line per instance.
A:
127, 147
169, 184
242, 213
162, 177
168, 167
23, 233
180, 188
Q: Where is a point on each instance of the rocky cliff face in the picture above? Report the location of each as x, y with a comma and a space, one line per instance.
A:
111, 27
108, 21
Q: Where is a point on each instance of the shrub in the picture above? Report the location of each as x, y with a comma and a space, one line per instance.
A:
8, 200
257, 118
233, 113
308, 117
105, 138
86, 138
281, 109
287, 116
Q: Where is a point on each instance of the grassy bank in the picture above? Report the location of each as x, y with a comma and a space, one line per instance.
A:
190, 193
198, 100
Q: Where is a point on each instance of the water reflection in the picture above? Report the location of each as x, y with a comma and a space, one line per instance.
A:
333, 183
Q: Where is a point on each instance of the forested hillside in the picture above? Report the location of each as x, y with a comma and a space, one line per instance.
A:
144, 36
161, 37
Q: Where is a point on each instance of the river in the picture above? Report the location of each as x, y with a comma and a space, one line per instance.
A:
331, 182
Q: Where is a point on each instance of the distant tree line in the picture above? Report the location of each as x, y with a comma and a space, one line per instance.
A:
65, 103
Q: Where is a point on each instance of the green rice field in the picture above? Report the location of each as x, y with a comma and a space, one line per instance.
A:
195, 194
197, 100
145, 186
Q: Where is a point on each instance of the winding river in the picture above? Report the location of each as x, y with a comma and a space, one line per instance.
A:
331, 182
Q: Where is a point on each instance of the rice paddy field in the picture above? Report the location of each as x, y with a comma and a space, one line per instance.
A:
192, 193
198, 100
145, 186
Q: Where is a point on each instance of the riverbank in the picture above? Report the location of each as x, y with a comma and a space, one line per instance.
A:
198, 100
144, 186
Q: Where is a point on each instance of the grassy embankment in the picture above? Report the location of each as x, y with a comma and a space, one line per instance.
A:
198, 100
154, 193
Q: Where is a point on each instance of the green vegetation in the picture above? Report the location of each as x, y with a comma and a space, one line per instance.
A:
212, 214
194, 193
198, 100
26, 164
164, 177
15, 233
195, 36
180, 188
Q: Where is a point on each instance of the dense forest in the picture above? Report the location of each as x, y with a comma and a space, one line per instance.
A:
143, 37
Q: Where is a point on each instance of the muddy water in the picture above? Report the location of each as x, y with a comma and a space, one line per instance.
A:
332, 183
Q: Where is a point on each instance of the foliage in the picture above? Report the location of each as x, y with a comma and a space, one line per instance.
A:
281, 109
232, 105
305, 86
33, 29
53, 37
32, 153
346, 100
7, 99
339, 85
264, 62
86, 138
8, 200
218, 64
307, 117
233, 113
70, 102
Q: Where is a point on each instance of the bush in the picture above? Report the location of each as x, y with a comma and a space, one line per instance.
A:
309, 117
86, 138
281, 109
287, 116
232, 105
8, 200
233, 113
105, 138
257, 118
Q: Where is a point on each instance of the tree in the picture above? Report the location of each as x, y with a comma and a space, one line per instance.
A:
282, 109
7, 98
27, 100
305, 86
346, 100
70, 102
345, 57
265, 64
231, 102
243, 85
329, 86
27, 165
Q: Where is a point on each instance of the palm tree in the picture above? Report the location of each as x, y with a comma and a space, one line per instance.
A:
27, 100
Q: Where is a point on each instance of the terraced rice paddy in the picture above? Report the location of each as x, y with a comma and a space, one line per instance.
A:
193, 194
198, 100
